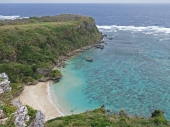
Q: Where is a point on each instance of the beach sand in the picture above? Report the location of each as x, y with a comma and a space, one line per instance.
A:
36, 96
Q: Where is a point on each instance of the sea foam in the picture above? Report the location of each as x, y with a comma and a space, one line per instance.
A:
146, 30
50, 99
13, 17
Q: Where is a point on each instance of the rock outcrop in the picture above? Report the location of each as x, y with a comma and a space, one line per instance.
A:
4, 83
39, 120
89, 59
99, 46
21, 116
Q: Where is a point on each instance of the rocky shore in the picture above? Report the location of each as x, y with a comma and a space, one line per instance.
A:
61, 61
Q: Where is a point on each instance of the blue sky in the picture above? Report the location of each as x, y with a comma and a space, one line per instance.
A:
84, 1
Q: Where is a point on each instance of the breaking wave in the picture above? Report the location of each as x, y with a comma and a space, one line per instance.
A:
50, 99
146, 30
13, 17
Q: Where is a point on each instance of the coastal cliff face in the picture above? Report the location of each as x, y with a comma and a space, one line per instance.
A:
30, 45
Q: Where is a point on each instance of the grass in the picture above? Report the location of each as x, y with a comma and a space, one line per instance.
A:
99, 118
37, 25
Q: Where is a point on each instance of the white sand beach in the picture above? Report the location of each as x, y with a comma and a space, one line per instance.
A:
36, 96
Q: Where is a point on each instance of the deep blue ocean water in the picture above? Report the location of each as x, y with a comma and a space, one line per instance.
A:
132, 72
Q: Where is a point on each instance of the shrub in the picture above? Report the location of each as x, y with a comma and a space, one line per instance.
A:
31, 113
55, 73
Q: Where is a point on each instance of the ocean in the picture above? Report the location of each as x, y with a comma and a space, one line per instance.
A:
132, 72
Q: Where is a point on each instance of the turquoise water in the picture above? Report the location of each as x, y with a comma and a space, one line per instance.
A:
132, 72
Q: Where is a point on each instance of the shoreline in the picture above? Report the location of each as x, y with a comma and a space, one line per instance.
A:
49, 97
39, 98
31, 94
63, 58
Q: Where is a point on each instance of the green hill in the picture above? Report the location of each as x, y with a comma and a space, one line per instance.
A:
29, 44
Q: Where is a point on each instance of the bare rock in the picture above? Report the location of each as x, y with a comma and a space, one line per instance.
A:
4, 83
99, 46
21, 116
39, 120
89, 59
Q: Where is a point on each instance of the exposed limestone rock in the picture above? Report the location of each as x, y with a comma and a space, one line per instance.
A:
4, 83
21, 116
39, 120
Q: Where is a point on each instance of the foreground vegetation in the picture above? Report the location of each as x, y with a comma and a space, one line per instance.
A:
9, 110
100, 118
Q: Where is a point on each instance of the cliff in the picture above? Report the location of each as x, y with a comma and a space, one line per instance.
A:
30, 48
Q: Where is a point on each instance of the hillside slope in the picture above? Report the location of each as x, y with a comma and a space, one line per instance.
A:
36, 43
102, 118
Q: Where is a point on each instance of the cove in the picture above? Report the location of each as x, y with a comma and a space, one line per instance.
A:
132, 72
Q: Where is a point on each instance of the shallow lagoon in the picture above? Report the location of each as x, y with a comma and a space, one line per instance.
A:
132, 72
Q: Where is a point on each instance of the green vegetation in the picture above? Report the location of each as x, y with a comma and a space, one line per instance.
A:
28, 47
28, 44
1, 79
31, 113
55, 73
9, 122
99, 118
8, 110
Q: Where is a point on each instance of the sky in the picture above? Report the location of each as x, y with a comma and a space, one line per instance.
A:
84, 1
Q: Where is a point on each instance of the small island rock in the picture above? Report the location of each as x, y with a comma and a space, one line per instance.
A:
89, 59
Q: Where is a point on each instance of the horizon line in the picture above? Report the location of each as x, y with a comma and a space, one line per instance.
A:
81, 3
